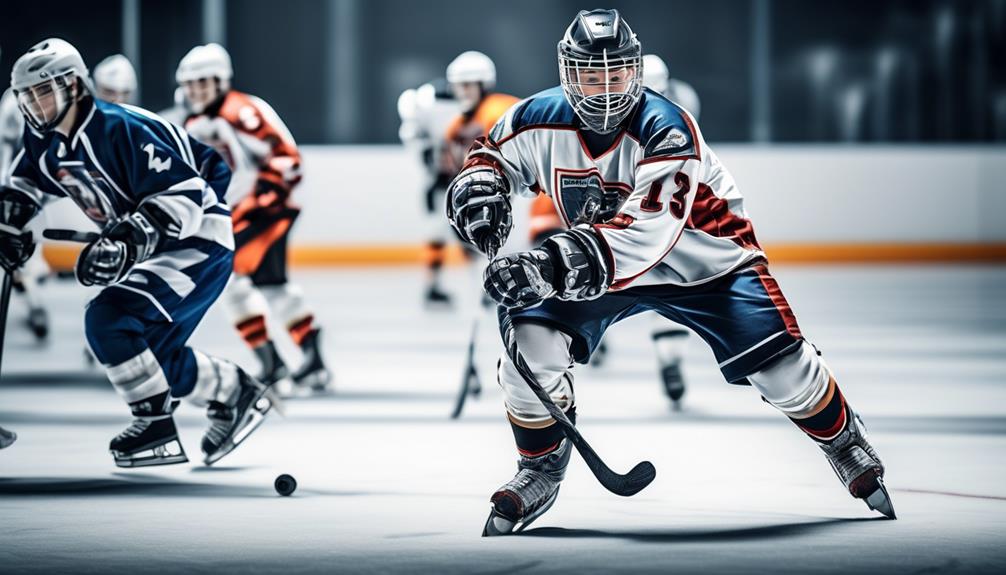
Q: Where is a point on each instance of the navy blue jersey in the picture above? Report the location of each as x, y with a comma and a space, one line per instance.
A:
119, 157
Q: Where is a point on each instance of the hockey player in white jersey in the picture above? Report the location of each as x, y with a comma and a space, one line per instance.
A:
115, 80
425, 113
163, 256
680, 244
27, 280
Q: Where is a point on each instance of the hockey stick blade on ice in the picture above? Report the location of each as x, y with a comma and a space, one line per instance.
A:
470, 376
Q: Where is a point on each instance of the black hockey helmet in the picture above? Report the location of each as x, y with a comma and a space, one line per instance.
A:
600, 68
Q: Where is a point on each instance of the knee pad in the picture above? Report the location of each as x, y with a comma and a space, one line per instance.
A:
287, 302
546, 351
244, 300
795, 383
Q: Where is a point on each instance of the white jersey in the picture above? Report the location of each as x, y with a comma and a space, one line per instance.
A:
426, 113
683, 220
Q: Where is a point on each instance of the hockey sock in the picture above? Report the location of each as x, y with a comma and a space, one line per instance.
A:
829, 419
300, 329
253, 330
533, 442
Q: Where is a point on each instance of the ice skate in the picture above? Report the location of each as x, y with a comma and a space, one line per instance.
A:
312, 377
38, 322
152, 439
437, 298
7, 438
529, 494
231, 424
674, 383
858, 467
274, 373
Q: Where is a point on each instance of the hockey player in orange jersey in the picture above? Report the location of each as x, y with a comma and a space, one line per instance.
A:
471, 77
266, 164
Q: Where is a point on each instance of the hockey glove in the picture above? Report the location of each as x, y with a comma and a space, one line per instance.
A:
16, 243
600, 205
569, 266
108, 259
478, 206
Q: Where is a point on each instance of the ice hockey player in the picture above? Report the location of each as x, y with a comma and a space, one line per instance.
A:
681, 245
426, 112
115, 80
163, 256
266, 164
668, 341
27, 279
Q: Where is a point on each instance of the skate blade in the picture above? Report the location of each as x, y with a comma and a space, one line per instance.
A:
8, 440
880, 500
499, 525
253, 419
159, 455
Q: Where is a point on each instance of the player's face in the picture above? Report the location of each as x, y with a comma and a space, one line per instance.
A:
114, 96
598, 82
41, 101
201, 93
467, 93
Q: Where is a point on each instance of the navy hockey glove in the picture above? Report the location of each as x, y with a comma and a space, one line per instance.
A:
108, 259
569, 266
478, 206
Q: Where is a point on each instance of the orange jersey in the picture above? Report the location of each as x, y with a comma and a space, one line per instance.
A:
544, 217
252, 139
465, 128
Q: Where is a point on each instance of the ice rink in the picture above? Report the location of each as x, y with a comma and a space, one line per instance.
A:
387, 483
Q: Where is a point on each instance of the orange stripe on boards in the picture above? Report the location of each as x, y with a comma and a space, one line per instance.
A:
64, 256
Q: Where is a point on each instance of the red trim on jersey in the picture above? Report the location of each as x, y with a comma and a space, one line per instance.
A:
712, 215
619, 284
781, 304
666, 159
619, 222
565, 127
695, 133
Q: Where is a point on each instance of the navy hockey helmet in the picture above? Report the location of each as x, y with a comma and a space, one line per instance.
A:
600, 68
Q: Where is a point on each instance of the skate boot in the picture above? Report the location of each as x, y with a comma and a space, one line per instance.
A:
38, 322
674, 383
152, 439
857, 465
274, 372
7, 438
312, 377
436, 297
529, 494
232, 423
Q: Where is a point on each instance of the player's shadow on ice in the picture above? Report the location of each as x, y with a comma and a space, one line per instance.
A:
698, 535
124, 485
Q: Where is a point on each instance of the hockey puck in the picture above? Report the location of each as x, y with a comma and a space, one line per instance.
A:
285, 484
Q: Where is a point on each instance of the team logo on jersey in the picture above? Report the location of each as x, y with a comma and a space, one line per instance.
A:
89, 190
581, 192
154, 163
674, 141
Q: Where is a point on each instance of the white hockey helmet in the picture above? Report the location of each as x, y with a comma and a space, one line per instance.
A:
43, 79
201, 64
655, 73
472, 66
115, 79
209, 61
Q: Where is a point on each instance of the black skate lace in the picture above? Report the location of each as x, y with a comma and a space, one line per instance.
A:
533, 488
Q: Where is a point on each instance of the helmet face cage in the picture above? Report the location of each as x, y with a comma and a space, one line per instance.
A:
44, 105
603, 90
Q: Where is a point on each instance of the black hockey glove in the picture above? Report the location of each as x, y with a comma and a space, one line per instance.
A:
16, 243
478, 206
569, 266
108, 259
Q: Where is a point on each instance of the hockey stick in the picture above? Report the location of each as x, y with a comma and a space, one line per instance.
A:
70, 236
8, 280
625, 485
470, 375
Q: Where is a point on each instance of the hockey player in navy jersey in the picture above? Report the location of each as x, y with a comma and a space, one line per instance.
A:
655, 223
164, 253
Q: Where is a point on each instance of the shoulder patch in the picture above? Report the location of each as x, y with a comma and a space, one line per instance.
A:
675, 140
